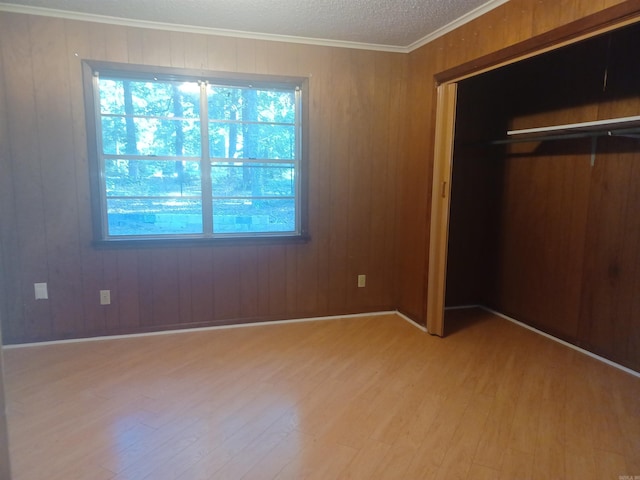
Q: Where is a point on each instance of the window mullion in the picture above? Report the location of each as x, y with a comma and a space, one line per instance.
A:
298, 155
205, 163
104, 223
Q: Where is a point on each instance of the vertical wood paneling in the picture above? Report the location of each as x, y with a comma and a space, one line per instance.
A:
245, 55
29, 198
359, 176
381, 187
291, 269
263, 280
313, 274
80, 44
145, 287
202, 286
165, 287
115, 43
350, 214
397, 136
127, 290
9, 243
195, 51
109, 282
184, 284
277, 280
135, 53
176, 49
624, 322
337, 163
249, 286
226, 283
604, 262
414, 184
156, 47
222, 54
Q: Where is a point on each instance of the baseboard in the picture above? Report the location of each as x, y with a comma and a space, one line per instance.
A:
462, 307
198, 329
407, 319
558, 340
322, 319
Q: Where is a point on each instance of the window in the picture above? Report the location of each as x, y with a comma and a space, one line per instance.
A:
186, 156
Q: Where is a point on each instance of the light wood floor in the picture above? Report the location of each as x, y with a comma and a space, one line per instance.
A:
363, 398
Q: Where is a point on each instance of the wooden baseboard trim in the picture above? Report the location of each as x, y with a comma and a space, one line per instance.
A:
463, 307
407, 319
566, 344
199, 329
328, 318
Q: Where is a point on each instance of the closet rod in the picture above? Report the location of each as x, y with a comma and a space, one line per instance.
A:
627, 132
608, 124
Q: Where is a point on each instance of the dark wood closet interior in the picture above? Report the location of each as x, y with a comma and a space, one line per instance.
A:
536, 231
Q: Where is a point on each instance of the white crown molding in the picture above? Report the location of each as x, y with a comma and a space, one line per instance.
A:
466, 18
128, 22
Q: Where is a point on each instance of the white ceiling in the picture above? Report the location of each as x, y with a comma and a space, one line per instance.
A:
377, 24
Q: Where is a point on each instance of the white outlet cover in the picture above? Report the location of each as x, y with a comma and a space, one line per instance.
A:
41, 291
105, 297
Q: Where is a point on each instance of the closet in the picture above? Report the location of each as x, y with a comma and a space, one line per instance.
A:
544, 226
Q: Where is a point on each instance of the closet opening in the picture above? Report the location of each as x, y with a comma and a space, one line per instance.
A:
544, 223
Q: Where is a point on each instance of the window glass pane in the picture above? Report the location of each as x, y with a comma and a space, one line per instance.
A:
254, 216
253, 180
225, 140
276, 106
154, 216
252, 140
149, 98
150, 136
251, 105
224, 103
145, 178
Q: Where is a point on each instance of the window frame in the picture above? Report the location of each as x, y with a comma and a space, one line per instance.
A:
90, 71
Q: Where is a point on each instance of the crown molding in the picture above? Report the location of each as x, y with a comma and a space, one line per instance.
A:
128, 22
466, 18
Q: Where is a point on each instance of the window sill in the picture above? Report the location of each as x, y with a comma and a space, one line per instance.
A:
130, 243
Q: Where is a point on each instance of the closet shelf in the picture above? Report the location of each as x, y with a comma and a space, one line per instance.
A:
623, 126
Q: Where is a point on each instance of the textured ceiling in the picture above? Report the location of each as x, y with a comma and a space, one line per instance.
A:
393, 23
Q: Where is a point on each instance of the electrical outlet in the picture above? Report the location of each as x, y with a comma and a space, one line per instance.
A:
105, 297
362, 281
41, 291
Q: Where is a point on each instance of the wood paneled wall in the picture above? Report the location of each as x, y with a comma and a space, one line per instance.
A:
370, 179
507, 25
356, 143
